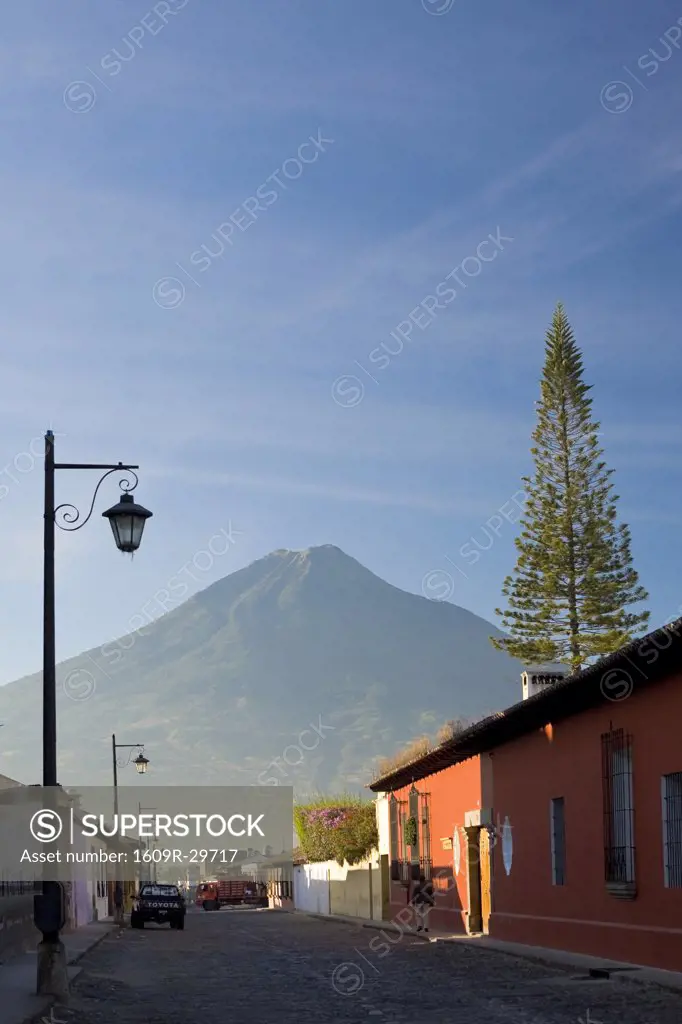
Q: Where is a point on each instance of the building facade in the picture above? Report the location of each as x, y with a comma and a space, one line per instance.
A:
578, 844
449, 809
594, 804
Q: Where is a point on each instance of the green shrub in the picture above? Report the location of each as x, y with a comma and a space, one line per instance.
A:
411, 833
336, 828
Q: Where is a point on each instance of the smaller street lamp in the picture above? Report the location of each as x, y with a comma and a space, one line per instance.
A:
140, 763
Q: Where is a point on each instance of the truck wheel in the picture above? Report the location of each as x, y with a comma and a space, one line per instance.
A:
206, 905
136, 922
216, 905
180, 923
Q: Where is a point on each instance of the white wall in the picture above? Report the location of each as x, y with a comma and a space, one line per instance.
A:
355, 891
384, 824
331, 888
311, 888
82, 902
94, 878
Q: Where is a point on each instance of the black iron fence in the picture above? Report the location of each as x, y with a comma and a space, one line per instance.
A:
25, 888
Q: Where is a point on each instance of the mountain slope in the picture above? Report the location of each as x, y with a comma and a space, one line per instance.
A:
225, 683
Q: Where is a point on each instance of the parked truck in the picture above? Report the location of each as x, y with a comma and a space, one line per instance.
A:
231, 892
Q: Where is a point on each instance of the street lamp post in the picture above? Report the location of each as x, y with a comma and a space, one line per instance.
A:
141, 763
127, 521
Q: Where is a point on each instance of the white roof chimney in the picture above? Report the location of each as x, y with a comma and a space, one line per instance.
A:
536, 678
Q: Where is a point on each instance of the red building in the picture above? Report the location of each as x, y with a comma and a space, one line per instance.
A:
449, 808
579, 791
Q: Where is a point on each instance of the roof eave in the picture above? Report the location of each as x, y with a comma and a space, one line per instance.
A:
576, 693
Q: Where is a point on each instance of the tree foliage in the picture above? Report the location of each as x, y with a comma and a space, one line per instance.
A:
568, 596
336, 828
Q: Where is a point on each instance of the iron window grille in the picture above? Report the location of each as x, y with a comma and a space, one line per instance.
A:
404, 862
619, 813
394, 842
425, 861
414, 813
671, 795
558, 836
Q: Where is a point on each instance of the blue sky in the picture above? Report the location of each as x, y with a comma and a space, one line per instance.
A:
441, 129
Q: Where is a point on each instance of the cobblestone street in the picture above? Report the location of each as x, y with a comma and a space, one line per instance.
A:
265, 966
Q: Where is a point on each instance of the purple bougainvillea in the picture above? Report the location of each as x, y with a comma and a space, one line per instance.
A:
337, 832
329, 817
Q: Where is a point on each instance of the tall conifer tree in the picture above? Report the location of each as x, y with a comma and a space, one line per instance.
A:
568, 596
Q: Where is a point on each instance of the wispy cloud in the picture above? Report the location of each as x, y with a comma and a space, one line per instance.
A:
286, 485
444, 127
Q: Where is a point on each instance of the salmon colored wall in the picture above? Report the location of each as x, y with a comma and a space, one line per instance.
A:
566, 761
452, 793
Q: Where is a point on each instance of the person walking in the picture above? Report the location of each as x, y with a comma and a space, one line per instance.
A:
423, 900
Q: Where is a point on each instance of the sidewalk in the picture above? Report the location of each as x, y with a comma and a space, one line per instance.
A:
562, 958
18, 975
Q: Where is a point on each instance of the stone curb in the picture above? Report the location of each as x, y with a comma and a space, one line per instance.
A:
48, 1002
107, 929
622, 972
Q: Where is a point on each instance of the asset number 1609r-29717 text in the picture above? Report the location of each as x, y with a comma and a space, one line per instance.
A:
180, 857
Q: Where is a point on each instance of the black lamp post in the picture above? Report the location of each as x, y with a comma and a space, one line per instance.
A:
127, 522
140, 763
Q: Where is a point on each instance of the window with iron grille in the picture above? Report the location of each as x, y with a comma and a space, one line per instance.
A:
558, 835
414, 813
404, 849
425, 861
394, 847
671, 794
619, 812
393, 808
